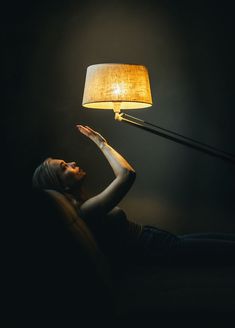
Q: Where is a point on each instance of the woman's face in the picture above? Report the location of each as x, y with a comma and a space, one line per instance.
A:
69, 174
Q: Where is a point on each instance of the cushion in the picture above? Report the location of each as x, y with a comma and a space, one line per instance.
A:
70, 277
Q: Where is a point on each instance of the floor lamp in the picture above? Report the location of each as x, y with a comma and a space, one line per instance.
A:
118, 87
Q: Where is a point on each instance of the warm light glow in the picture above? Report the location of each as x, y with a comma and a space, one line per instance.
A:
126, 84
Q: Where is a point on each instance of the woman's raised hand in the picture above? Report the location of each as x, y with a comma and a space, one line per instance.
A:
92, 134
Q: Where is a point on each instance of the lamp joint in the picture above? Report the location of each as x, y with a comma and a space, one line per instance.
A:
118, 116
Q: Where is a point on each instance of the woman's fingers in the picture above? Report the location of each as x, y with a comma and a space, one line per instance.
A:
88, 132
83, 130
82, 127
87, 129
92, 134
90, 129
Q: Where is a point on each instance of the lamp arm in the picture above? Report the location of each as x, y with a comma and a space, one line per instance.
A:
180, 135
173, 136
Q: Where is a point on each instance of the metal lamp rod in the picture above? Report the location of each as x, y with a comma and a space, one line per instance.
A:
176, 137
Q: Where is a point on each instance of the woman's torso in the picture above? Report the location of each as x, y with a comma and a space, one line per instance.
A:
115, 234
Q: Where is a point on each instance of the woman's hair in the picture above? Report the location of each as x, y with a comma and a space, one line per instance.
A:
45, 177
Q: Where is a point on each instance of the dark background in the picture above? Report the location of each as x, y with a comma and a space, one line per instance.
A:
188, 48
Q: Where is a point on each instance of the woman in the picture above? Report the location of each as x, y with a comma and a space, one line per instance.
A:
117, 236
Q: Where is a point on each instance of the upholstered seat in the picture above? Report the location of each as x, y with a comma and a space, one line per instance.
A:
66, 245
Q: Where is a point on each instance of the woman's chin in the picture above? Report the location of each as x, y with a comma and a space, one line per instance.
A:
82, 175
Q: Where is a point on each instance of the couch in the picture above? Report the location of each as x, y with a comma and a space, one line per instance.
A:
71, 282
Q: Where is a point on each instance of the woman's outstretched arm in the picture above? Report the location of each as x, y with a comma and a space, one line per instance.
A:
124, 177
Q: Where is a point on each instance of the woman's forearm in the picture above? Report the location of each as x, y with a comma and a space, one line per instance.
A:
118, 163
106, 200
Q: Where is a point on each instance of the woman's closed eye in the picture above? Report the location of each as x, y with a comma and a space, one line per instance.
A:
72, 164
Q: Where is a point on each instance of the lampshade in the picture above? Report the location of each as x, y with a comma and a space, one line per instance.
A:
126, 84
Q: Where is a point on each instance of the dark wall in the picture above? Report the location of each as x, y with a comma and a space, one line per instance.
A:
188, 48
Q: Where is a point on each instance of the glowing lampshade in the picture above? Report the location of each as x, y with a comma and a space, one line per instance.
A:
126, 85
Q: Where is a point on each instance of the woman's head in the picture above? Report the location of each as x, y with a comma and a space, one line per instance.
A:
58, 175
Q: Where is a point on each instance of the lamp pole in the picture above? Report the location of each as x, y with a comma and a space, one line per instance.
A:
173, 136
